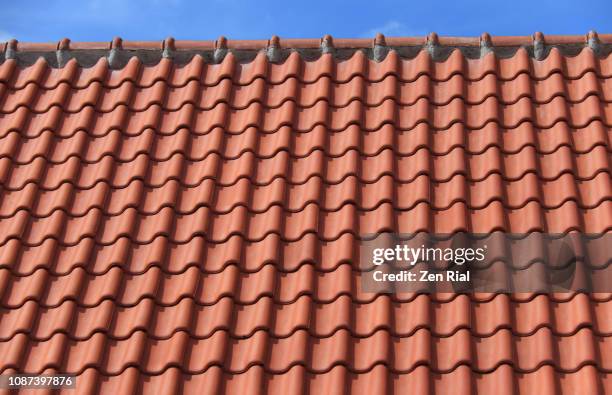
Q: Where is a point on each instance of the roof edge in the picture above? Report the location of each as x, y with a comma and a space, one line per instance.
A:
538, 46
311, 43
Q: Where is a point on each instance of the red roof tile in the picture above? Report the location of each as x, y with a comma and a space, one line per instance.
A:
191, 224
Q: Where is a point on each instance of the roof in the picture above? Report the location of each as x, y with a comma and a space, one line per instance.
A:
185, 216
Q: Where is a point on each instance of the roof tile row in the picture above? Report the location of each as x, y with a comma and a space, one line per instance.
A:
514, 195
337, 94
168, 289
317, 355
405, 70
301, 120
443, 318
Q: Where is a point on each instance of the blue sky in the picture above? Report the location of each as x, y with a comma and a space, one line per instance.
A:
100, 20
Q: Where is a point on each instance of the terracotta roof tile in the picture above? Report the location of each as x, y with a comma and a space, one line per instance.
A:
193, 224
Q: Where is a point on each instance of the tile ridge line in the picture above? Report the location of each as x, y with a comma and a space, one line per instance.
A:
171, 44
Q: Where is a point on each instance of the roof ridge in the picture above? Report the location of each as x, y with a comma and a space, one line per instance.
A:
222, 42
277, 49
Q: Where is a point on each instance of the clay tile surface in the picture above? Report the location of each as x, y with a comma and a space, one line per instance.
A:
191, 225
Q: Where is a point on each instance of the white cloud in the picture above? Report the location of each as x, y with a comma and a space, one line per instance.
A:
393, 28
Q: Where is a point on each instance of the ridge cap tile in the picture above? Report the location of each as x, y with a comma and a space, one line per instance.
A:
539, 47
